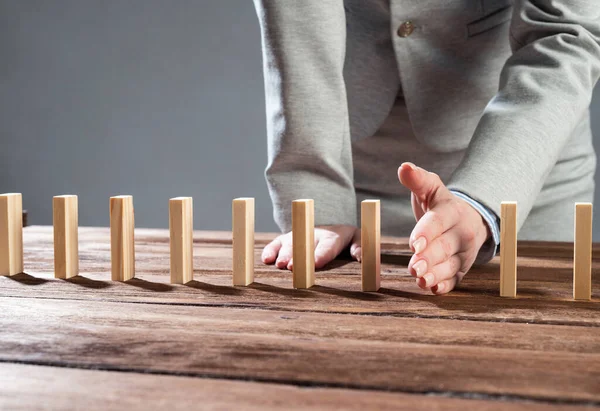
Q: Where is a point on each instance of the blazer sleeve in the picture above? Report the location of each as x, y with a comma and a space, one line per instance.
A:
309, 150
545, 91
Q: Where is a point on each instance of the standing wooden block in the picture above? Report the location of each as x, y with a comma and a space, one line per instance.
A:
66, 241
11, 234
371, 244
508, 249
243, 241
181, 227
582, 258
122, 250
303, 241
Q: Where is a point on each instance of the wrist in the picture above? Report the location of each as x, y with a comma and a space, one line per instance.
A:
489, 241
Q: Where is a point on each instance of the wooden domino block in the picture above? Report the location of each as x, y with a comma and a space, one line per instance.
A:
11, 234
508, 249
122, 250
303, 240
181, 228
66, 242
243, 241
582, 257
371, 244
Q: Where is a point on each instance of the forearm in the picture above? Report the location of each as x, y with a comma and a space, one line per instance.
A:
545, 90
309, 152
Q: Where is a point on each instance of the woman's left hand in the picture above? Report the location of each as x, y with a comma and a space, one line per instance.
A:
448, 234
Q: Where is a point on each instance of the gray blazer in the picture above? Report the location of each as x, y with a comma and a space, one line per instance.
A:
499, 91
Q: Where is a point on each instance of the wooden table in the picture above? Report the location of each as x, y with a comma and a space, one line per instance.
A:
89, 343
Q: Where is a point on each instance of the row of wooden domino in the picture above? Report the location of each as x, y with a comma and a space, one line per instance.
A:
65, 213
66, 243
582, 253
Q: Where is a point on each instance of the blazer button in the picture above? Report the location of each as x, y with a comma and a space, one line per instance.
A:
406, 29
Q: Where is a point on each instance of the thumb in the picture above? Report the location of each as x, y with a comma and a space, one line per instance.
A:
421, 183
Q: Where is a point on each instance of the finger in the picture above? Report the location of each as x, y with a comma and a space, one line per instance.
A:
356, 246
271, 250
327, 250
285, 255
433, 224
445, 286
441, 272
420, 182
440, 249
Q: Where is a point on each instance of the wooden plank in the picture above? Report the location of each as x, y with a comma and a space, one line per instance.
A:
243, 241
181, 228
545, 294
582, 256
122, 238
28, 387
66, 240
303, 233
371, 244
443, 356
11, 234
508, 249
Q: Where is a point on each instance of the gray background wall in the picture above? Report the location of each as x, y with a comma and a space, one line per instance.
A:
152, 98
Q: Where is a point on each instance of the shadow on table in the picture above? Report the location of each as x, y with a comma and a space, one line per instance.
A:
309, 292
396, 259
217, 289
344, 259
88, 282
27, 279
286, 292
478, 300
148, 285
336, 264
355, 295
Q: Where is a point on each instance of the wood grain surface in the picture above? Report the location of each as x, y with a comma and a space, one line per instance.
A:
400, 347
66, 389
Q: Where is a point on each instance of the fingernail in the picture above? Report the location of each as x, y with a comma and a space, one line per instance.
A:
420, 268
429, 279
411, 166
440, 288
420, 244
420, 284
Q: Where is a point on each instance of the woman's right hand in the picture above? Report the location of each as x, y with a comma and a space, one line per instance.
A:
330, 241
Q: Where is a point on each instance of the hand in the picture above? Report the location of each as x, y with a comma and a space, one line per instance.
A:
329, 243
448, 234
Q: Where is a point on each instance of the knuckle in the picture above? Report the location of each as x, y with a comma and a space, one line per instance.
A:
276, 243
469, 237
